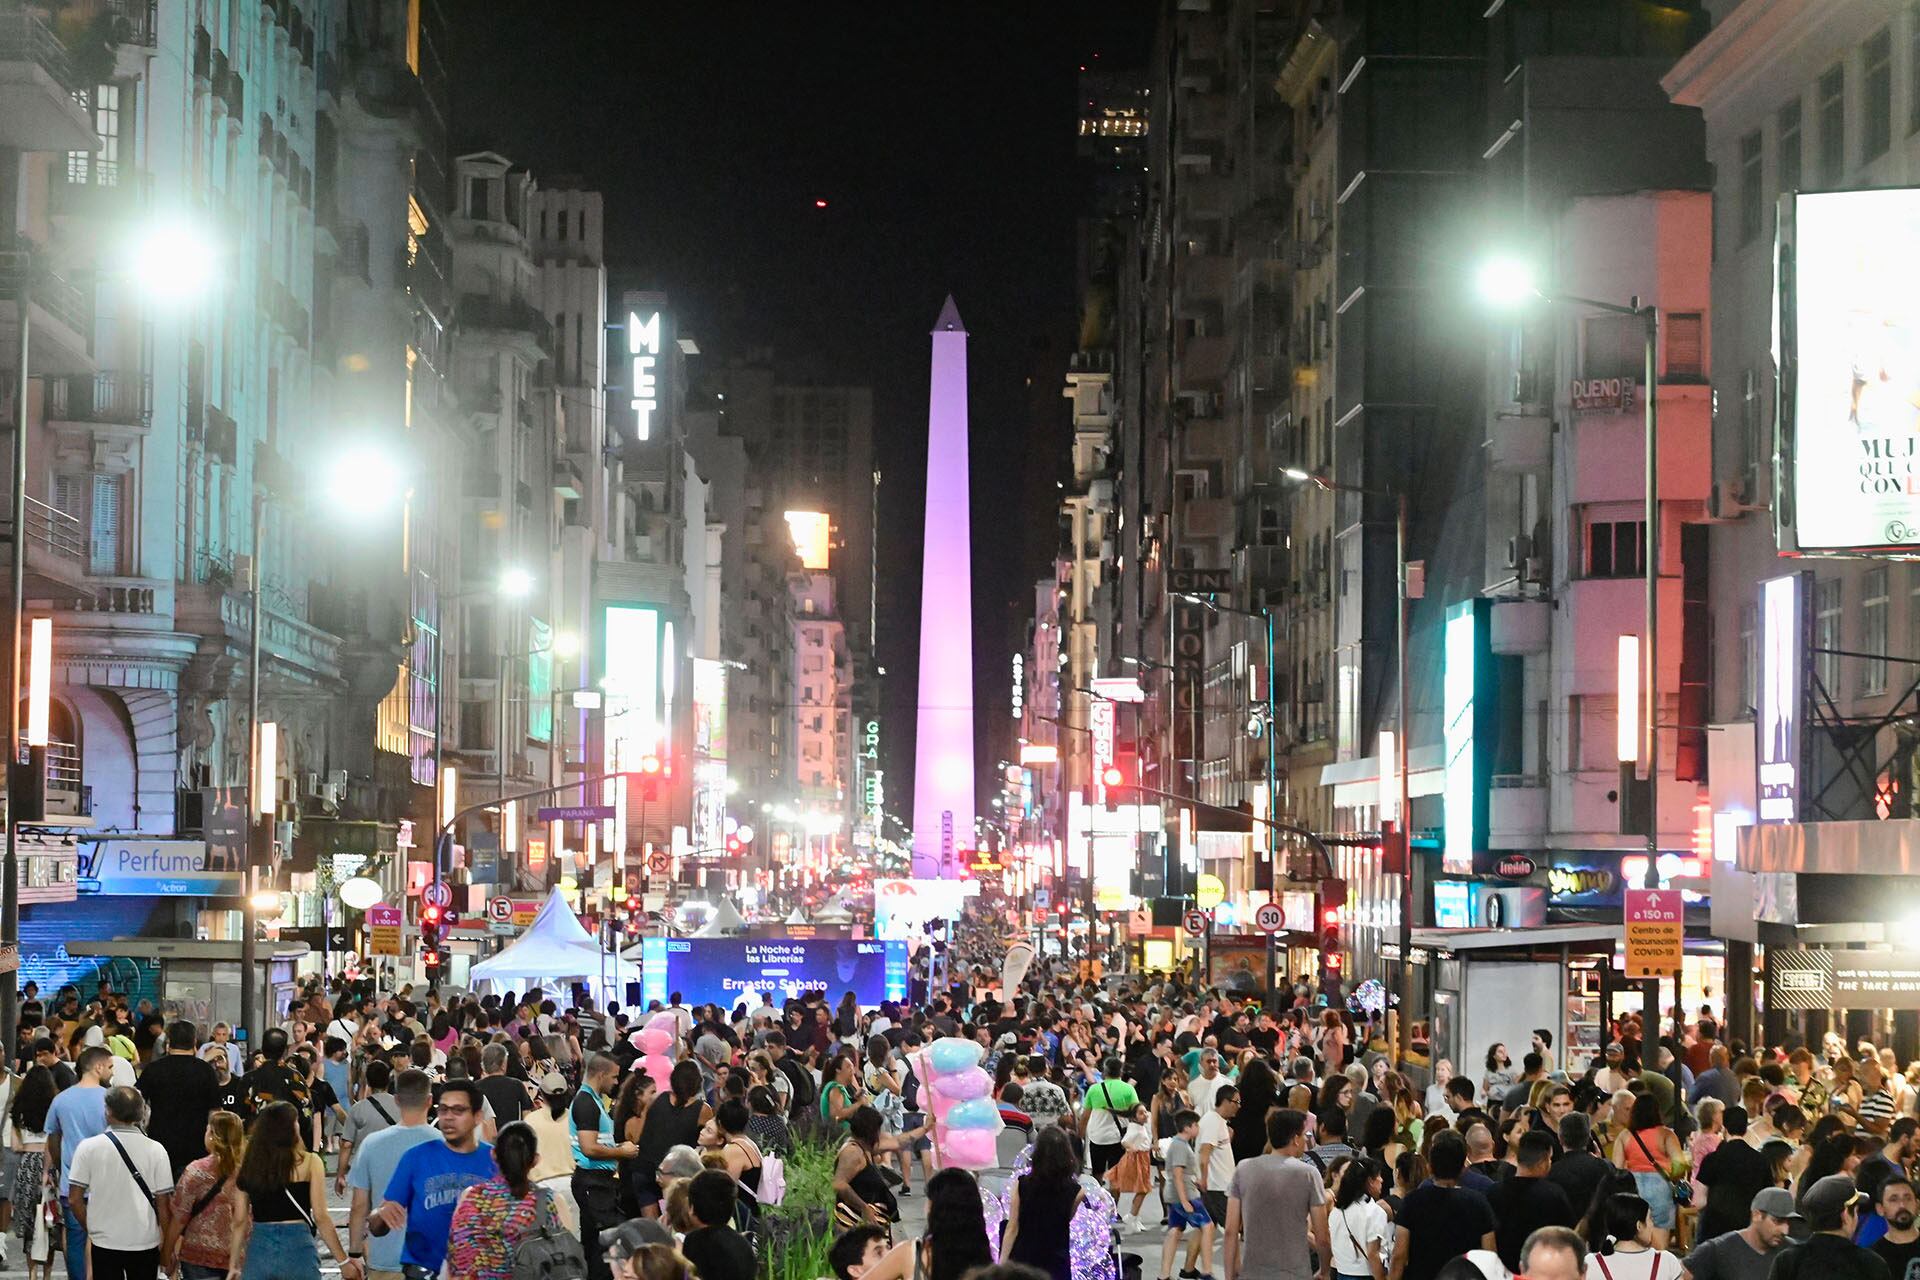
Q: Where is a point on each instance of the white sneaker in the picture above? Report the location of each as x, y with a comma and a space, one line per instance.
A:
1132, 1225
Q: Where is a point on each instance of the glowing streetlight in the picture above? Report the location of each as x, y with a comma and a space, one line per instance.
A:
516, 584
1505, 281
173, 261
364, 480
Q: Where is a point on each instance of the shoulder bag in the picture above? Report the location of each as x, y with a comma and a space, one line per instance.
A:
1682, 1189
138, 1181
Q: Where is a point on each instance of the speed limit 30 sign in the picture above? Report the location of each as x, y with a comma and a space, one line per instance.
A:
1270, 917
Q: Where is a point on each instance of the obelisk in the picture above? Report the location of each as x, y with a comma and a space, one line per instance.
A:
943, 751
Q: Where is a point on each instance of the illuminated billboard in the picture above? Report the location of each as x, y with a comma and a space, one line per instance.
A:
1779, 721
1847, 345
709, 752
630, 650
646, 349
812, 531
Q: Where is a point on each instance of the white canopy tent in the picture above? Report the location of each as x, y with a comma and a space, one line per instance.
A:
556, 948
725, 923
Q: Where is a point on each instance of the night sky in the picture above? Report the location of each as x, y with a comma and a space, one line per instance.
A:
942, 139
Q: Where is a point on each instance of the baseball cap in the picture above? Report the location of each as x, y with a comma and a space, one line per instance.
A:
553, 1083
1828, 1198
1777, 1202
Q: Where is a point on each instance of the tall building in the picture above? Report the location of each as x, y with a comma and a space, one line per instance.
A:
177, 455
943, 811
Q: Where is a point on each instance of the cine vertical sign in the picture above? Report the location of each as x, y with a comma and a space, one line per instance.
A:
1656, 932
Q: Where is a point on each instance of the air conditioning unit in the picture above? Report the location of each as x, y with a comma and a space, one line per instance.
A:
331, 794
310, 784
1534, 570
1519, 550
1736, 495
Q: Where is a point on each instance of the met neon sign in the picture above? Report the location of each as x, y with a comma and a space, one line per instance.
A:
643, 348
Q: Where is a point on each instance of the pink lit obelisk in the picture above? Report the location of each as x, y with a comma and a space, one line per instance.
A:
943, 752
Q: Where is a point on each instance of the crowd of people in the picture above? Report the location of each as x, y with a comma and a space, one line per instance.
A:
502, 1136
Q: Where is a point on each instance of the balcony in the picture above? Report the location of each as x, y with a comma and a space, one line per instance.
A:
56, 551
477, 311
39, 108
568, 482
1519, 442
1203, 282
66, 795
1516, 812
113, 398
95, 188
1203, 363
61, 341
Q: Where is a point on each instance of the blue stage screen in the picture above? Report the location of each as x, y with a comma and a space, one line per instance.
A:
725, 971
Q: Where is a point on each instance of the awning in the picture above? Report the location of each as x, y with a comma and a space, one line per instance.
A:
1547, 935
1858, 848
1357, 782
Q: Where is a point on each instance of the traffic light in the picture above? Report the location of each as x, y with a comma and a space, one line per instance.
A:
650, 771
1330, 905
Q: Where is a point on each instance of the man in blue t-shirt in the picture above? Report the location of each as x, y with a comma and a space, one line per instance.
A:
374, 1160
77, 1114
427, 1182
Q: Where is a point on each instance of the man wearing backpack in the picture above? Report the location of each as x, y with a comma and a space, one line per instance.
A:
121, 1193
805, 1098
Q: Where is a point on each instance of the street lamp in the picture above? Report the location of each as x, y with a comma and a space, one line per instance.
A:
1403, 820
1507, 282
171, 264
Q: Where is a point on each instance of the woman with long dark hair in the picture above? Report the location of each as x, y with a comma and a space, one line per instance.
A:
279, 1201
1651, 1153
1357, 1226
1259, 1089
31, 1195
840, 1094
493, 1217
629, 1118
861, 1194
1041, 1206
673, 1119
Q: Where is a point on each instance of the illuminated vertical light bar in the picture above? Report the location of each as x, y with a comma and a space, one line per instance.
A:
1627, 720
1389, 799
39, 681
266, 767
510, 826
556, 840
449, 794
943, 810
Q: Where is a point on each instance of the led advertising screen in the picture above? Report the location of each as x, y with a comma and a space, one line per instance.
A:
1848, 346
1780, 717
725, 971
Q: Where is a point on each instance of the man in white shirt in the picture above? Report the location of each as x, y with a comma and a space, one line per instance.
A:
1204, 1087
1215, 1142
125, 1221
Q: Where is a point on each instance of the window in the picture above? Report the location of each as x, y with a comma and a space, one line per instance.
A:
1749, 657
1833, 125
1616, 548
1616, 347
95, 502
1753, 190
1751, 444
1686, 345
1876, 73
102, 168
1826, 632
1592, 740
1873, 631
1787, 173
476, 198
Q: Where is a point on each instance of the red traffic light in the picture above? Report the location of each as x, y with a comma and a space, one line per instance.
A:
650, 764
733, 844
431, 959
430, 916
1331, 916
1112, 776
